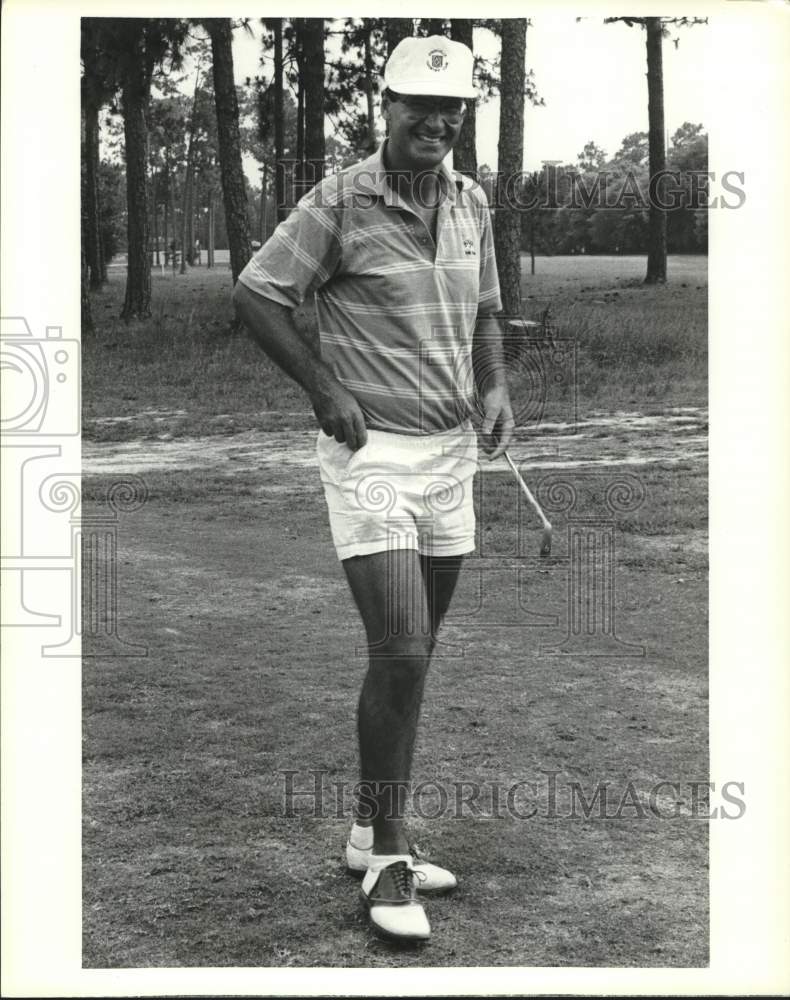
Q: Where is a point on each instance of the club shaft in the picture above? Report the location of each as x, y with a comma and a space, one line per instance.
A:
528, 493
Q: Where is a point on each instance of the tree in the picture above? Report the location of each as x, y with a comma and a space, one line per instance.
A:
369, 84
591, 158
112, 207
136, 47
688, 158
395, 30
432, 26
689, 148
270, 138
135, 89
86, 317
352, 83
168, 118
657, 240
294, 37
538, 218
634, 150
226, 101
188, 189
312, 47
279, 153
98, 85
465, 150
656, 29
507, 224
350, 77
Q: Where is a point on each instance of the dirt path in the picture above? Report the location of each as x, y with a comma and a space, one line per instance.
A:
622, 438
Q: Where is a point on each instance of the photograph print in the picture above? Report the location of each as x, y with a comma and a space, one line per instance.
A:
394, 492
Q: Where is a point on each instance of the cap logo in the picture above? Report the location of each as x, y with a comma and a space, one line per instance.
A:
437, 60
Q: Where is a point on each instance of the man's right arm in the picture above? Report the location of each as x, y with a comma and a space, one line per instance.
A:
272, 326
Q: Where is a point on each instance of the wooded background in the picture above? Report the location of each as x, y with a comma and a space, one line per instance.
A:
167, 130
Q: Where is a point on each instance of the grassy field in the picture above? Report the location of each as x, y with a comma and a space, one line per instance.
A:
637, 348
228, 576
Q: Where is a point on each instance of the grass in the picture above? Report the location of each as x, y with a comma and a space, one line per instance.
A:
228, 576
637, 347
189, 856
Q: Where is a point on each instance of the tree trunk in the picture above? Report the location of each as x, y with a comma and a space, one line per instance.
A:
264, 204
156, 186
190, 241
313, 73
210, 251
186, 193
532, 243
93, 253
507, 221
185, 211
298, 175
657, 228
371, 138
279, 117
465, 150
137, 301
86, 317
166, 209
234, 194
396, 29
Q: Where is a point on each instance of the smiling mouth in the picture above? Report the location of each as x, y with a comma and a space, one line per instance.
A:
434, 140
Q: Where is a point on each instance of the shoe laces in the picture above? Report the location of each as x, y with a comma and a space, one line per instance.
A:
403, 876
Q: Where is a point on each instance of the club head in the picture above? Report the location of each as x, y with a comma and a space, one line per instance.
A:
545, 544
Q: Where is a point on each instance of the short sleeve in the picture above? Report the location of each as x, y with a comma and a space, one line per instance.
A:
489, 299
302, 253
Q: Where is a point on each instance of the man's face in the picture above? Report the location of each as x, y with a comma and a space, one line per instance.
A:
422, 129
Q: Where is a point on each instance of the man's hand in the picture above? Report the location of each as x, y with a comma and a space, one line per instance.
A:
339, 413
498, 423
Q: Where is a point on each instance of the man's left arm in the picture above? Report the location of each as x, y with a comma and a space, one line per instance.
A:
490, 380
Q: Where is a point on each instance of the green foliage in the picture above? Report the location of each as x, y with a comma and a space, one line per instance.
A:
592, 157
633, 151
566, 207
112, 211
347, 80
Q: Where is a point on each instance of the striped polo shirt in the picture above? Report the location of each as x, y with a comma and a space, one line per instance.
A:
396, 310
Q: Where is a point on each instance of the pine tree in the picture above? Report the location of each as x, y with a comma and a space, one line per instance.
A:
234, 192
656, 29
507, 222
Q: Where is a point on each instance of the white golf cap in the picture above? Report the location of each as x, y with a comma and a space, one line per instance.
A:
436, 66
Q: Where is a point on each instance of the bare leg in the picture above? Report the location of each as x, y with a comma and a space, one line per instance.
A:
440, 575
402, 598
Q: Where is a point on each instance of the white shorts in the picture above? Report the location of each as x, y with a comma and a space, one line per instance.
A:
401, 491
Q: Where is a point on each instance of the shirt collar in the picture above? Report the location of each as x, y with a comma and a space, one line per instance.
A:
370, 178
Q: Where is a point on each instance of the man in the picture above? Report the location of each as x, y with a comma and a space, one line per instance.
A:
399, 253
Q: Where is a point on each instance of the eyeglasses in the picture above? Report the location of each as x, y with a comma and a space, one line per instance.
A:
450, 109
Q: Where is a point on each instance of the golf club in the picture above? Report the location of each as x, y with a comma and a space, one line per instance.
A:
545, 541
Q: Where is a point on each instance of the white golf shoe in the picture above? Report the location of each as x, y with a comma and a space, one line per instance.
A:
359, 852
389, 893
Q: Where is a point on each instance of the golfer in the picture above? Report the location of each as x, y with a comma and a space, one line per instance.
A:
399, 252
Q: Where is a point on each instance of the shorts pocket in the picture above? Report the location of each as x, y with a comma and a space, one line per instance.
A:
336, 459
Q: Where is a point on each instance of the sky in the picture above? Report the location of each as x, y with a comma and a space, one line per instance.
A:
591, 76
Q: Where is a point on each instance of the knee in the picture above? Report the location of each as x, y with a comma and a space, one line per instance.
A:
403, 654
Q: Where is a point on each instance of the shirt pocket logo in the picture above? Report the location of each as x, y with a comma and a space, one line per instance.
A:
469, 247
